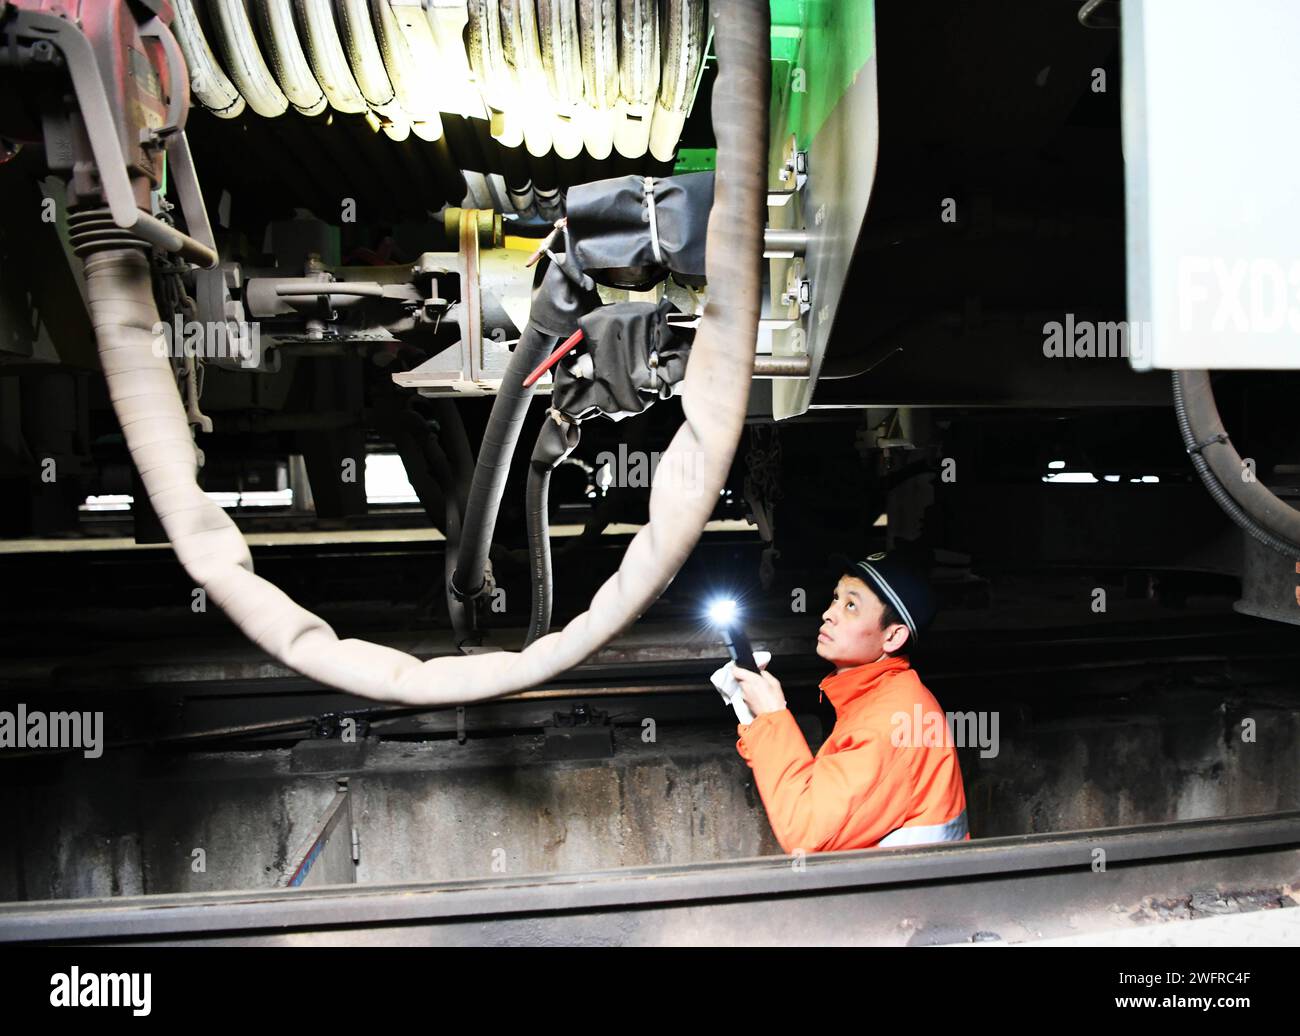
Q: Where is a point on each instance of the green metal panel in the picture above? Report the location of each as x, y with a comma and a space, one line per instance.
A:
819, 47
696, 160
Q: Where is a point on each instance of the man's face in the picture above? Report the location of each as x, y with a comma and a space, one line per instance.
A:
850, 633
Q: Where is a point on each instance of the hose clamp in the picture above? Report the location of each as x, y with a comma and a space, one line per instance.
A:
1218, 437
462, 595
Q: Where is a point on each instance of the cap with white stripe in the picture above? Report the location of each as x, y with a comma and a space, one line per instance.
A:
901, 585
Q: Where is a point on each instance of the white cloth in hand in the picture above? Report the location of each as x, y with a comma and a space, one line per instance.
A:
729, 687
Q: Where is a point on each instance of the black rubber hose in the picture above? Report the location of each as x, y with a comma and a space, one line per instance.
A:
1203, 431
508, 412
462, 615
412, 426
555, 441
454, 441
539, 549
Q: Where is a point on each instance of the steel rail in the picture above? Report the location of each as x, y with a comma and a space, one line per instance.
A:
1023, 880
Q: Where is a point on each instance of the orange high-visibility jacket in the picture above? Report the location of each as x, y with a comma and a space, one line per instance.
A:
878, 780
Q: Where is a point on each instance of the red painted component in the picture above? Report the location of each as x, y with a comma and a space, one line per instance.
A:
553, 359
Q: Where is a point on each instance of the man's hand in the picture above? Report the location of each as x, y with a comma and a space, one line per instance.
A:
762, 690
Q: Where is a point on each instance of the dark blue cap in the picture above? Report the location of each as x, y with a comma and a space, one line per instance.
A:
896, 582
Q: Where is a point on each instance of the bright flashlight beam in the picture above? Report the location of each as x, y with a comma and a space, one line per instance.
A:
721, 612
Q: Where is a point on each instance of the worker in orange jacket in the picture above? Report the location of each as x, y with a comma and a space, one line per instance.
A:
879, 779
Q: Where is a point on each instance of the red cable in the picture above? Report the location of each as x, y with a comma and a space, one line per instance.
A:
554, 358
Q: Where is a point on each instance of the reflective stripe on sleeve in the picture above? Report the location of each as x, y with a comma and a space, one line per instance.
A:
952, 831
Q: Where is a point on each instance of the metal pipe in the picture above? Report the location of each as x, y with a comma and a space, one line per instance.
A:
361, 289
782, 366
784, 244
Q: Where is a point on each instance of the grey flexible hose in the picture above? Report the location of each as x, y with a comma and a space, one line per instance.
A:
142, 387
1251, 505
555, 441
455, 445
539, 550
499, 439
